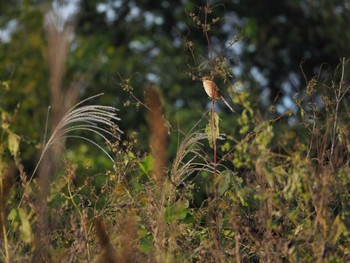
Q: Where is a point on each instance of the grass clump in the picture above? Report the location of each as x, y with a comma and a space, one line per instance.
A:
282, 192
240, 187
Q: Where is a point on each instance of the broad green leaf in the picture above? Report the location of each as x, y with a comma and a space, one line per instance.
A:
223, 182
146, 164
176, 211
26, 230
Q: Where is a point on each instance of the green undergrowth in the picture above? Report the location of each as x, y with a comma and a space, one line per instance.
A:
282, 192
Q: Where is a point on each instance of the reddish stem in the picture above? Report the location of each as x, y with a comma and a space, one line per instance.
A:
217, 230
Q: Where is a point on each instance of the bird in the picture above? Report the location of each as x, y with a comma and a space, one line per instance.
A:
213, 91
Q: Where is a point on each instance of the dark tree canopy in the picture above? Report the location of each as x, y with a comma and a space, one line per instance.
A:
277, 37
283, 34
138, 42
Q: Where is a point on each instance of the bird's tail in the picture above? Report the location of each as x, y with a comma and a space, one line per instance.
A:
228, 105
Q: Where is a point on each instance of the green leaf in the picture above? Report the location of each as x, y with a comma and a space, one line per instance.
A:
4, 120
26, 230
226, 147
242, 194
13, 143
146, 245
146, 164
215, 20
13, 217
223, 182
176, 211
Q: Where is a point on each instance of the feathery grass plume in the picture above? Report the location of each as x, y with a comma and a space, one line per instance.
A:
78, 118
58, 34
190, 158
85, 118
158, 144
159, 133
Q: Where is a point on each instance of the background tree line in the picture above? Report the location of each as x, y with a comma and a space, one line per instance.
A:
142, 42
174, 181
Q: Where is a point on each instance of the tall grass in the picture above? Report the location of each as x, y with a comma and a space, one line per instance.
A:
261, 191
284, 198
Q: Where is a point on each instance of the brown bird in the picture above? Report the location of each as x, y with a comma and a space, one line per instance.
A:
213, 91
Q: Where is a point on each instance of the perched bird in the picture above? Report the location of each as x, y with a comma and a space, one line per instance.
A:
213, 91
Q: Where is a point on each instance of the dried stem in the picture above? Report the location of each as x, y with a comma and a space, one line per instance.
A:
213, 130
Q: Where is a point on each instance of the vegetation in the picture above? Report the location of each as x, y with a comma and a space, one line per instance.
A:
256, 185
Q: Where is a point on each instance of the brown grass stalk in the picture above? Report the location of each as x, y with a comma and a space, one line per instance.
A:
158, 144
158, 132
109, 254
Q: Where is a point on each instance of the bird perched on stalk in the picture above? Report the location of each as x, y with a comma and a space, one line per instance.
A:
213, 91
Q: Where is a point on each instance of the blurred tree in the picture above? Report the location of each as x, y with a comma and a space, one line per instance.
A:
278, 37
151, 41
282, 35
23, 65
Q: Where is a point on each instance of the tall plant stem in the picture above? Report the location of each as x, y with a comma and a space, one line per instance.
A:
214, 129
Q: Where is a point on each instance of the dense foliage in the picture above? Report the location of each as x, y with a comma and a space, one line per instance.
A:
171, 181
